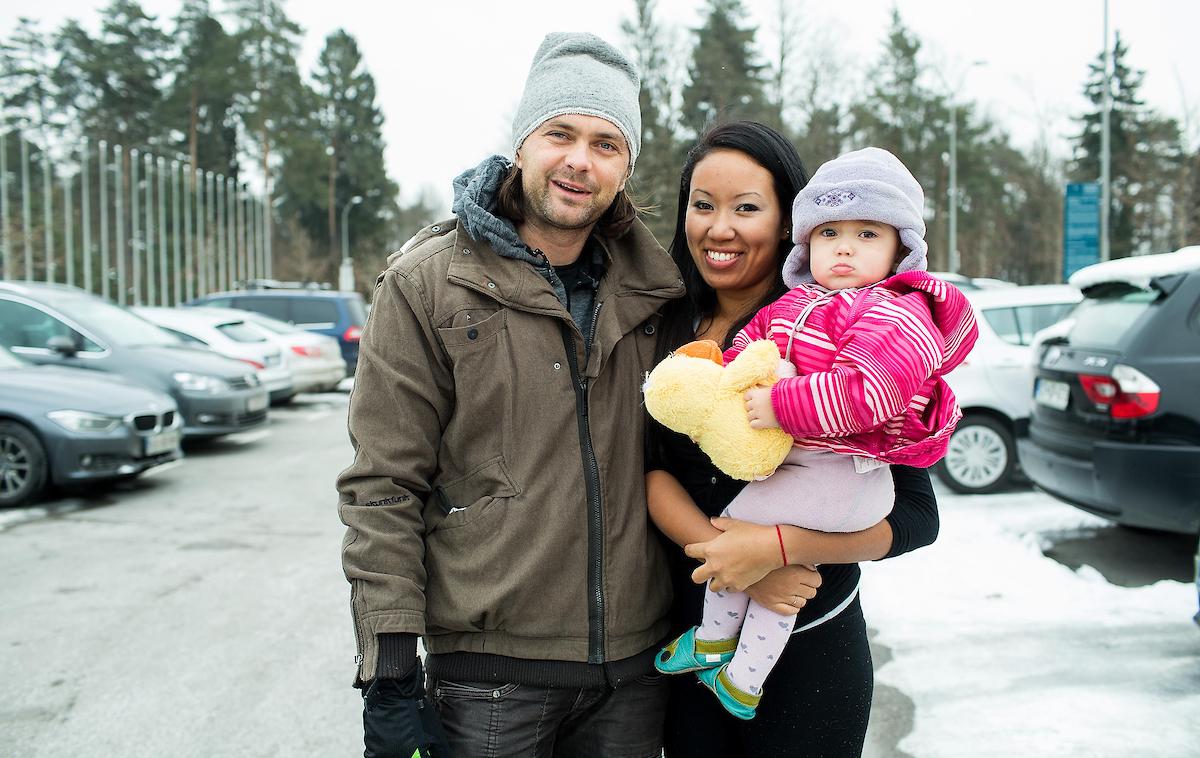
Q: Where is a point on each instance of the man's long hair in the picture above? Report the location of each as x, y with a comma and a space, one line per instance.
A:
614, 223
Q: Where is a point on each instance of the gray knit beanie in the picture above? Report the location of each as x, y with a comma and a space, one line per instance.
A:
579, 73
866, 185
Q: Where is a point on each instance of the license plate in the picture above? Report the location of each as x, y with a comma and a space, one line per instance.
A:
1052, 394
163, 442
256, 403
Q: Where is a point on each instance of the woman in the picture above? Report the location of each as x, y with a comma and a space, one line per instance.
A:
731, 238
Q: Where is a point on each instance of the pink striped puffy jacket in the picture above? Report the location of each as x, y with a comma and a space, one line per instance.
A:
870, 364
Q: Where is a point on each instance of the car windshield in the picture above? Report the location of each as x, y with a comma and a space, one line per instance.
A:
115, 323
1101, 322
274, 325
9, 361
240, 331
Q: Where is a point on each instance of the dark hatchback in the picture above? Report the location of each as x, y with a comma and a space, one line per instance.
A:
54, 324
340, 315
1115, 428
67, 426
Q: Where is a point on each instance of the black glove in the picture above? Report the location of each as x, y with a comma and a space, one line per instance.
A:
399, 721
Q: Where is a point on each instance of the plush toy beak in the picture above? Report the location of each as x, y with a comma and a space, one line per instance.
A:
706, 349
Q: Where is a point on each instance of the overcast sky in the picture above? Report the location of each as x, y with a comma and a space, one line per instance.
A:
449, 73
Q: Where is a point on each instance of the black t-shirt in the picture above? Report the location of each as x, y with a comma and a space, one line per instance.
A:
914, 523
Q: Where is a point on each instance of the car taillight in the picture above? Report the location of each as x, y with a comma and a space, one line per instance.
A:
352, 334
255, 364
307, 352
1128, 393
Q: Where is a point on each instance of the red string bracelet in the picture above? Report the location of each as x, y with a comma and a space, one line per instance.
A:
783, 552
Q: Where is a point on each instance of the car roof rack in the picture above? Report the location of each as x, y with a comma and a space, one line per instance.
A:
276, 284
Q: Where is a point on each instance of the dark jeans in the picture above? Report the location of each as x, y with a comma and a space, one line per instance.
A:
484, 720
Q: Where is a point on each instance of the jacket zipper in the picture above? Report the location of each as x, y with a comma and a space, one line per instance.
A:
358, 635
591, 472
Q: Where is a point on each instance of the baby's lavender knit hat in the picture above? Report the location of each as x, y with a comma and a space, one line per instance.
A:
866, 185
579, 73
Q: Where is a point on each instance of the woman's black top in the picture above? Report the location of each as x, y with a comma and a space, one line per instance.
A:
914, 522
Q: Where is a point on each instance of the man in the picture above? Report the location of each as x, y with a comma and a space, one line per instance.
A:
496, 504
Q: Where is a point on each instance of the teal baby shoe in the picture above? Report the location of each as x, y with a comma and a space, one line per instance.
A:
740, 704
686, 653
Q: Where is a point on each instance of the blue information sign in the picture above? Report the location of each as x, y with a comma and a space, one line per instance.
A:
1081, 227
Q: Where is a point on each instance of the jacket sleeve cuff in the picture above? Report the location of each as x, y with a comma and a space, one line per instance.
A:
397, 655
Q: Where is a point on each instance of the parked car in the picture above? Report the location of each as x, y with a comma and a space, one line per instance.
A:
54, 324
971, 283
315, 360
1115, 428
993, 385
230, 336
65, 426
335, 314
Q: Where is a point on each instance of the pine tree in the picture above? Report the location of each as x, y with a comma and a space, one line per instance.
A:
1144, 152
727, 81
276, 100
111, 84
347, 126
27, 92
655, 183
204, 69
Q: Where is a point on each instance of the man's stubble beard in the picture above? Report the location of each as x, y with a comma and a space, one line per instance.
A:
540, 208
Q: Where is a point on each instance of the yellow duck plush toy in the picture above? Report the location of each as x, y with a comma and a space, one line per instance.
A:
692, 392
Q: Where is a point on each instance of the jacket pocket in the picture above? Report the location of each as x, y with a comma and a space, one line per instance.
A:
471, 327
460, 500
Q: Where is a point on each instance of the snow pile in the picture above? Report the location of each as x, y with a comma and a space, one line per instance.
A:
1005, 652
1138, 270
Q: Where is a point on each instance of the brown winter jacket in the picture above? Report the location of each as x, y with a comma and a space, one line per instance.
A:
496, 500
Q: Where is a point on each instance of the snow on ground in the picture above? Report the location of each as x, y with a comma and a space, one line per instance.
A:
1005, 652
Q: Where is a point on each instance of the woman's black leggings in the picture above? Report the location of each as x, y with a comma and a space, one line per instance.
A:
815, 702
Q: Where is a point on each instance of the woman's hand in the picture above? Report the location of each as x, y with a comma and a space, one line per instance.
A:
740, 556
786, 590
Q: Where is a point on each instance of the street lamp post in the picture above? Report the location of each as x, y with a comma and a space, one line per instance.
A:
952, 260
346, 271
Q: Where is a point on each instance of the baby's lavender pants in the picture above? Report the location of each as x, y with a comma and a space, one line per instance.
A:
812, 489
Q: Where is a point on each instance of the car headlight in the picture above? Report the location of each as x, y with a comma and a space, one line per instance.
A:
84, 421
199, 382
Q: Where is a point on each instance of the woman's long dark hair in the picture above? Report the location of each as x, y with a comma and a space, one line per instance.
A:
769, 149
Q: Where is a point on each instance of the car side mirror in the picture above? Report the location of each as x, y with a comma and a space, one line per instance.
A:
63, 345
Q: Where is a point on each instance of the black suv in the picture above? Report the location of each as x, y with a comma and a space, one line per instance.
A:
1115, 428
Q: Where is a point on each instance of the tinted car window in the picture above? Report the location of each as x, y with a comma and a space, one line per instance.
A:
1004, 323
1103, 322
358, 312
23, 325
240, 331
314, 311
114, 323
275, 307
219, 302
1017, 325
1034, 318
184, 337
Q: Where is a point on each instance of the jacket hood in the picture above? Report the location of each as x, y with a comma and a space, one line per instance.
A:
475, 192
952, 314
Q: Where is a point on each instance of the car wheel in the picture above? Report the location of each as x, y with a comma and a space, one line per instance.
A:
23, 466
980, 458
